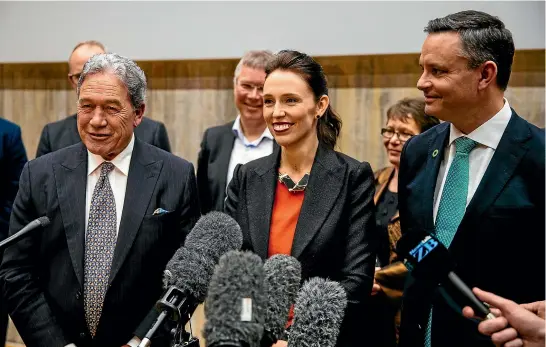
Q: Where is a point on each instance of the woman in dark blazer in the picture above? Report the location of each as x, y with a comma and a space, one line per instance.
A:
306, 199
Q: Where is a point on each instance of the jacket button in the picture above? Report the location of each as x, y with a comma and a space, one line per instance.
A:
82, 335
78, 295
419, 326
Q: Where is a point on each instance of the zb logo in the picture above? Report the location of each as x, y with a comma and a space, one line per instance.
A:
424, 248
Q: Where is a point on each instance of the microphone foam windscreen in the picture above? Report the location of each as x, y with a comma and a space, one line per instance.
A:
318, 314
282, 281
44, 221
235, 304
189, 271
214, 234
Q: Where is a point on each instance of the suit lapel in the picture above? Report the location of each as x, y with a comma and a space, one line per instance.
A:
224, 156
143, 175
71, 185
74, 134
505, 160
435, 156
261, 195
317, 203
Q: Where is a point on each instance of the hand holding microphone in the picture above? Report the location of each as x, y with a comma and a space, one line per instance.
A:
515, 325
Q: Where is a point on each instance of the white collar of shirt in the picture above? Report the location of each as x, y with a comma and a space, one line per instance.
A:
121, 161
489, 133
239, 133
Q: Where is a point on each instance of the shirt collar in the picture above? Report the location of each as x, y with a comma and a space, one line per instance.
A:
489, 133
237, 130
121, 161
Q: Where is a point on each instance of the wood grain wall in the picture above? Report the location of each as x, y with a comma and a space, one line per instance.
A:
190, 96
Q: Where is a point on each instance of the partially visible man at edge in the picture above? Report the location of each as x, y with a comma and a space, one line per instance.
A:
63, 133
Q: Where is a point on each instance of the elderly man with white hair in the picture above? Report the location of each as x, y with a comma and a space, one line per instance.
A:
119, 209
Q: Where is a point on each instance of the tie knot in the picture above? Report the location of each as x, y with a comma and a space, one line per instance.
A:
463, 145
106, 168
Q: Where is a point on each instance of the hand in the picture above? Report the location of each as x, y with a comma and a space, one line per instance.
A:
376, 288
526, 323
280, 343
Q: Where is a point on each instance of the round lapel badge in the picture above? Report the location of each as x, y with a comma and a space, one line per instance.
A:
435, 153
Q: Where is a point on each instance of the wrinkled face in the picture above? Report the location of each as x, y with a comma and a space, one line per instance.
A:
290, 109
448, 85
106, 117
77, 61
248, 91
398, 128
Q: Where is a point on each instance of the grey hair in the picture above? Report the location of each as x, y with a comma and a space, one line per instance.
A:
254, 60
128, 72
484, 38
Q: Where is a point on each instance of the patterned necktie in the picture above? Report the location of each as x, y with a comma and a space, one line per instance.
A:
453, 203
100, 241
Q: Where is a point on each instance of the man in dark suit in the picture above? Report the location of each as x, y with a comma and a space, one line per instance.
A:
64, 133
119, 209
476, 181
12, 159
238, 142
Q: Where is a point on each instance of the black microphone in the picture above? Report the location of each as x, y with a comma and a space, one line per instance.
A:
282, 281
318, 314
188, 273
235, 305
430, 261
21, 234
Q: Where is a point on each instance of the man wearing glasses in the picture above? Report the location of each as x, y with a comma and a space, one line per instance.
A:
237, 142
64, 133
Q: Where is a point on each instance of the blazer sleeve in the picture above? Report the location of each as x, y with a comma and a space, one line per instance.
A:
44, 146
15, 158
190, 207
205, 200
403, 173
360, 252
161, 139
26, 302
232, 194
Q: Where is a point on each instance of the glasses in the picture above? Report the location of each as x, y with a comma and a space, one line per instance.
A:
74, 77
389, 133
249, 88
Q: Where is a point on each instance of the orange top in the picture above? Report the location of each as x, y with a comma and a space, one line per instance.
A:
284, 218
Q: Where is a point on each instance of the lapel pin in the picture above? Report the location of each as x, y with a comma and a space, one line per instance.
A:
435, 153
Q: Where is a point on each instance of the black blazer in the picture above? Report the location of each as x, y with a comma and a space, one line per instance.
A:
64, 133
499, 245
43, 274
213, 165
335, 227
12, 159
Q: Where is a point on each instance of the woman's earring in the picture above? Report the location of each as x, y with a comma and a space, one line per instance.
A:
318, 116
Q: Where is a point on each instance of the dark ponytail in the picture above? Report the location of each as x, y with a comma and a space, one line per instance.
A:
329, 124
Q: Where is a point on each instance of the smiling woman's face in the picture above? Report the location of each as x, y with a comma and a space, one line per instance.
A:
407, 126
290, 109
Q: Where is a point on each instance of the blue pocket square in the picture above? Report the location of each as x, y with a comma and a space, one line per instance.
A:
159, 211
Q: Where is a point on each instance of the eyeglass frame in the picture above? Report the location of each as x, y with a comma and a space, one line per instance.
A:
384, 130
78, 75
259, 88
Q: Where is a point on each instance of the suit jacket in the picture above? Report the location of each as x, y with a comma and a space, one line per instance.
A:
499, 245
43, 274
334, 234
64, 133
213, 165
12, 159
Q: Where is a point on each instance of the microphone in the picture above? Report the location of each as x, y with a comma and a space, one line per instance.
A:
21, 234
235, 305
282, 281
430, 261
318, 314
188, 273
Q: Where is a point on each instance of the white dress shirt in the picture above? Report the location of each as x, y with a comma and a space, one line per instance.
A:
118, 182
244, 151
488, 136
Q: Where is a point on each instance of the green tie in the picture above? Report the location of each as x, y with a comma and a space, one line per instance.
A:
453, 203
